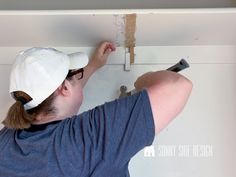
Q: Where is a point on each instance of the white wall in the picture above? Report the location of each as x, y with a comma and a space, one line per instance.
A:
207, 120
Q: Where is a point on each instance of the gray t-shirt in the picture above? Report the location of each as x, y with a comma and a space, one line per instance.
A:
96, 143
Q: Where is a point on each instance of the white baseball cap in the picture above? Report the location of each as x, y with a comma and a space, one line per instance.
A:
39, 71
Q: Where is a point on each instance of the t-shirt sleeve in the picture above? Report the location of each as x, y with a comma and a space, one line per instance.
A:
119, 129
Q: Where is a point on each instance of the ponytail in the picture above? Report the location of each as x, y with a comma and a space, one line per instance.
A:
17, 117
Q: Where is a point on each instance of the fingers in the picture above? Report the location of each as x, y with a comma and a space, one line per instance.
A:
107, 51
111, 46
100, 55
107, 47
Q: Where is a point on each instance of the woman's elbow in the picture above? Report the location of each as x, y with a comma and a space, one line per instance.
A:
187, 85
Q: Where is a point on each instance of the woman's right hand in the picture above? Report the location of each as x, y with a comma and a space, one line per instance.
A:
100, 56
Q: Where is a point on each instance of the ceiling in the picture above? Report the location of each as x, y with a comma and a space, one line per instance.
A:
105, 4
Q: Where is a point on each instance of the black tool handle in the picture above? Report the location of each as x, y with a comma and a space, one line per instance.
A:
182, 64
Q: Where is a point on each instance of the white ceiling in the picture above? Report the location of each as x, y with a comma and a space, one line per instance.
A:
183, 27
115, 4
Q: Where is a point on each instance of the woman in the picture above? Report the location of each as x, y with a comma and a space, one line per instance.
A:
43, 136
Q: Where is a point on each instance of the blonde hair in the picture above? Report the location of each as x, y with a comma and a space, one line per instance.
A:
18, 118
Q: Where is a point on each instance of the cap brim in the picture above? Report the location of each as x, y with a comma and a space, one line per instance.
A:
78, 60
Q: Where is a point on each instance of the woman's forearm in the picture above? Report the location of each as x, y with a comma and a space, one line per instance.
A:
88, 71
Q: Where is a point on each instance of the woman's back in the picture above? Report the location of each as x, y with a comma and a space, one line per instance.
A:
98, 142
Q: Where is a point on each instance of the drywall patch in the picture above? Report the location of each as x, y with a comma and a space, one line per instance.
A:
119, 29
130, 28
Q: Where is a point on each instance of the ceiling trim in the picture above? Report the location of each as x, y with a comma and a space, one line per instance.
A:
119, 11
